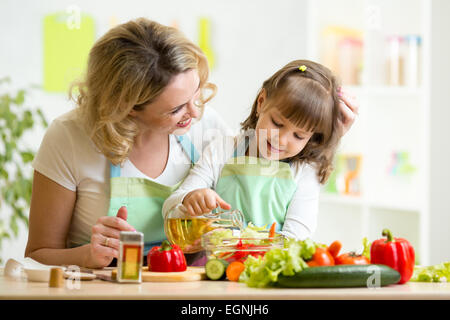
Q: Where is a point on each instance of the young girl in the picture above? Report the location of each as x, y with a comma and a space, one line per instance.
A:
272, 171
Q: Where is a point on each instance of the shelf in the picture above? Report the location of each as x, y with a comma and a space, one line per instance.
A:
395, 206
392, 118
376, 204
340, 199
367, 90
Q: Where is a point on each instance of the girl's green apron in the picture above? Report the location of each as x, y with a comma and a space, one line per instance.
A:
262, 189
144, 199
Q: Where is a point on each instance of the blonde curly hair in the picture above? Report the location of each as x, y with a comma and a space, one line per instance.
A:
305, 93
128, 68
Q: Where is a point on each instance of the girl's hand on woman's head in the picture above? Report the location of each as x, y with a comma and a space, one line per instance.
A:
203, 201
349, 110
104, 244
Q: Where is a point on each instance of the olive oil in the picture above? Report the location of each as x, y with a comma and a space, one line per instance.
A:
187, 233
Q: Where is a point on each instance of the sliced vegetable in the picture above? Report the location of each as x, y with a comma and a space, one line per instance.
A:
341, 276
397, 253
243, 250
334, 248
234, 270
272, 230
215, 269
351, 258
242, 245
321, 257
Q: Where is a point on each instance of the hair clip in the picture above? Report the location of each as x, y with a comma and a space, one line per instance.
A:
302, 68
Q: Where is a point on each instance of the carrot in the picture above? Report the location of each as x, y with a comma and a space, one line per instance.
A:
234, 270
334, 248
272, 230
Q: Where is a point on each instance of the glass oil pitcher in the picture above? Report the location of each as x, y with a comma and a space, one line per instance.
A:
186, 231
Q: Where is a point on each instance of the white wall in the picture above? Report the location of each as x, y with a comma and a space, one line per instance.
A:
251, 39
439, 153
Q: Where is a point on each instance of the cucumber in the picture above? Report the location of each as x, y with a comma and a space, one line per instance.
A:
216, 269
341, 276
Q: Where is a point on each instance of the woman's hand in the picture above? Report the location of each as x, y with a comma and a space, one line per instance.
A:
202, 201
104, 244
348, 109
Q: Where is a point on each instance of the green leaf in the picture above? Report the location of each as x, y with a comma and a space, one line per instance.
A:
435, 273
366, 248
8, 194
43, 120
25, 189
27, 121
4, 174
20, 97
5, 80
15, 189
10, 118
263, 271
27, 156
14, 226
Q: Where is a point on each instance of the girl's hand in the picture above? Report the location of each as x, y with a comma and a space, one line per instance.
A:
202, 201
104, 244
348, 109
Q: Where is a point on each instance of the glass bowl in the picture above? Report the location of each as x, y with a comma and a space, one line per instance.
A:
186, 231
237, 248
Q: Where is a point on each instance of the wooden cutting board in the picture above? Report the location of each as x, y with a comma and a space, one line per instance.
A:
191, 274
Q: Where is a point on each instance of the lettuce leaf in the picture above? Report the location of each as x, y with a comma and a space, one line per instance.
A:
217, 235
436, 273
252, 231
366, 248
263, 271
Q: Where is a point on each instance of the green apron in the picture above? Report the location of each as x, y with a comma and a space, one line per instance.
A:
144, 199
262, 189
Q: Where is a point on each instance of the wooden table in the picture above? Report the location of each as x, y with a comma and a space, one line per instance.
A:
11, 289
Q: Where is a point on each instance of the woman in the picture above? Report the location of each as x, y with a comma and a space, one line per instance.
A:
145, 85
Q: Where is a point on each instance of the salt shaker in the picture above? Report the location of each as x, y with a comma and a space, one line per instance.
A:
131, 252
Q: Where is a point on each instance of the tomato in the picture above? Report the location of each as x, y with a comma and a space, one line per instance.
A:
321, 257
351, 258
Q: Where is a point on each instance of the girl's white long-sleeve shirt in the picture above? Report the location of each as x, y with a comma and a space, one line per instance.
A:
301, 216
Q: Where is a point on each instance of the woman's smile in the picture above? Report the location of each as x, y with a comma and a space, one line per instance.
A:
184, 123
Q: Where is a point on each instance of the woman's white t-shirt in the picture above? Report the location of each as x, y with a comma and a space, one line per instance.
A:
69, 157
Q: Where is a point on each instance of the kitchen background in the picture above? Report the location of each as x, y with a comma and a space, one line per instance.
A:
392, 169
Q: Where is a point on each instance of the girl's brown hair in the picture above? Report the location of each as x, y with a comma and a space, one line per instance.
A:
128, 68
305, 93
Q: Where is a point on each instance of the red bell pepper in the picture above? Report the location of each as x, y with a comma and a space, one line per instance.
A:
242, 252
166, 258
396, 253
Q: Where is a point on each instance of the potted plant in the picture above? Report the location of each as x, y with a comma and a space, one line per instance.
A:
16, 119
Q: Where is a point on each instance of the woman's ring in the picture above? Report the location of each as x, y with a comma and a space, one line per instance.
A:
106, 241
